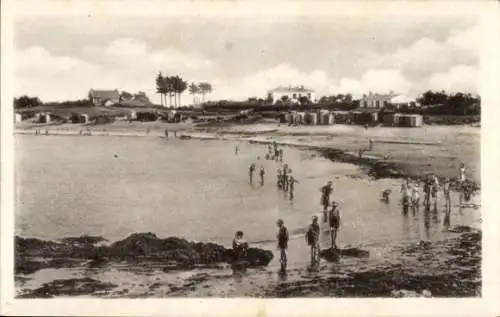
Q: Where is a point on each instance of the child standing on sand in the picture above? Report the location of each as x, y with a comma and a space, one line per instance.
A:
282, 242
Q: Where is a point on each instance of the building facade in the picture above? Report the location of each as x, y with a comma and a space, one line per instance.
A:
376, 101
104, 97
291, 94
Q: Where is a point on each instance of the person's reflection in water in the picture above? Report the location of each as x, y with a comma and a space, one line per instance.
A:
435, 218
238, 275
282, 275
427, 222
406, 223
446, 221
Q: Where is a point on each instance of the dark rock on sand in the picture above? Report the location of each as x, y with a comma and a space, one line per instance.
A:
461, 229
333, 255
70, 287
138, 247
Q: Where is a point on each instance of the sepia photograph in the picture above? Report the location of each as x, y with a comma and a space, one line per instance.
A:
200, 155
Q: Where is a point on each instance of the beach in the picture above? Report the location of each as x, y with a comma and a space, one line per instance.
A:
126, 179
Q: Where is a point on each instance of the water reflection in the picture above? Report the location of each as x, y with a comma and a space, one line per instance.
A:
427, 222
446, 221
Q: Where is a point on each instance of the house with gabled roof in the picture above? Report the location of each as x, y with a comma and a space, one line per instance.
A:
292, 94
104, 97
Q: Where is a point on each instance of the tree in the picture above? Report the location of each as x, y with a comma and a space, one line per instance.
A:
160, 87
205, 88
193, 90
26, 102
125, 95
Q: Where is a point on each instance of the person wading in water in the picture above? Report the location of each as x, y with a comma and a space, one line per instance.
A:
334, 221
326, 192
291, 186
262, 172
312, 239
240, 246
282, 242
251, 170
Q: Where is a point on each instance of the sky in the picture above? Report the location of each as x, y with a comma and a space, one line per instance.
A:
61, 58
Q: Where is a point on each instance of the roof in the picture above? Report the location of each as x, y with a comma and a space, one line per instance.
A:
291, 89
105, 94
379, 96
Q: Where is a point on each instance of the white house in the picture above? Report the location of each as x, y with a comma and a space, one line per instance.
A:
376, 100
293, 94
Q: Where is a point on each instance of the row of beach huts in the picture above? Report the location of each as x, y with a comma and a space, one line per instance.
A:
356, 117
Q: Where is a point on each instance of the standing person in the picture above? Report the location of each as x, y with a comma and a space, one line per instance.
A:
262, 172
446, 194
370, 147
405, 193
435, 189
291, 185
166, 133
334, 222
415, 196
270, 151
240, 246
282, 242
326, 192
285, 177
236, 149
281, 154
427, 191
279, 175
461, 183
312, 239
251, 170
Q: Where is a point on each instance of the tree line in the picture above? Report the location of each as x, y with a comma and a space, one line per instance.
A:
174, 86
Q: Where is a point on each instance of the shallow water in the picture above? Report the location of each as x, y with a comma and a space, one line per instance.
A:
199, 190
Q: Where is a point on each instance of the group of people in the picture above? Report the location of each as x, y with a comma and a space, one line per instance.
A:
410, 193
331, 217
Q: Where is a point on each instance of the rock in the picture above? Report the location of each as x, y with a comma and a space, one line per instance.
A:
333, 255
461, 229
354, 252
70, 287
404, 293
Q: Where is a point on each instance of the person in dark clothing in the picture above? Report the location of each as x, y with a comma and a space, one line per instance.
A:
240, 247
326, 192
262, 172
427, 192
334, 221
251, 170
282, 242
312, 239
291, 186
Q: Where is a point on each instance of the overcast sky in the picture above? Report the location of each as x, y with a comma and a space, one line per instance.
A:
62, 58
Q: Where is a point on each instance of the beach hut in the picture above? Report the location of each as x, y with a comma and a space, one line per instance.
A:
325, 117
408, 120
300, 119
364, 116
341, 117
18, 118
311, 118
387, 118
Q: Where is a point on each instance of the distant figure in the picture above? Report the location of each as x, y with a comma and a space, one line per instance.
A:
279, 175
415, 196
166, 133
435, 188
370, 146
366, 126
360, 153
446, 194
405, 193
462, 173
291, 186
280, 152
427, 191
262, 172
240, 247
236, 149
251, 170
312, 239
285, 177
116, 156
282, 242
46, 131
175, 134
326, 192
386, 193
386, 157
148, 129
